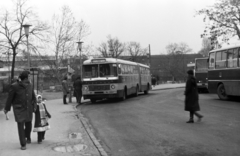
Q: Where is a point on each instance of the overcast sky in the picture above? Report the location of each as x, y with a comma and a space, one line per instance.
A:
154, 22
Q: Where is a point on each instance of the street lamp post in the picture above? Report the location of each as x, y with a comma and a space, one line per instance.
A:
26, 29
8, 63
80, 50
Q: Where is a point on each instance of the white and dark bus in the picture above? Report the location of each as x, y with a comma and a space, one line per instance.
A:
105, 78
224, 72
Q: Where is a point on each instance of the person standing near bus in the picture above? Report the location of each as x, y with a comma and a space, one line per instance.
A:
78, 89
191, 97
65, 90
23, 100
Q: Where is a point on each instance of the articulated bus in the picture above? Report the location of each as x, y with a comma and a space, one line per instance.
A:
201, 74
105, 78
224, 72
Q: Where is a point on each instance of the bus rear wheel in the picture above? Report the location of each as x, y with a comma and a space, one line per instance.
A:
146, 91
222, 92
93, 100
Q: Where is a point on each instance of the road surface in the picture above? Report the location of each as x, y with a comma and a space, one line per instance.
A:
155, 125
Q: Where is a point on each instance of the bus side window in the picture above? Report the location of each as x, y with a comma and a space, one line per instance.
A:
119, 69
221, 57
230, 58
122, 69
127, 69
238, 57
212, 60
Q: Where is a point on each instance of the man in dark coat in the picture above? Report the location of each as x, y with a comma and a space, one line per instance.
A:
65, 89
191, 97
23, 100
78, 89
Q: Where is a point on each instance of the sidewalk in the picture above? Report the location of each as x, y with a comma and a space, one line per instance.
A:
67, 135
168, 86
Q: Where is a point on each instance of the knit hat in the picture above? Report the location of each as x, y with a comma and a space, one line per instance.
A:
190, 72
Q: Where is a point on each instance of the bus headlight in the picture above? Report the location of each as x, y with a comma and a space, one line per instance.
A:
85, 88
113, 87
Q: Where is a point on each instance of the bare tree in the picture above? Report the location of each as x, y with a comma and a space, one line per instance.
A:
112, 48
65, 31
135, 51
206, 47
175, 62
11, 29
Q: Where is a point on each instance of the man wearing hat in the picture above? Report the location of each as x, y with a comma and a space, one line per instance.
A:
23, 100
191, 97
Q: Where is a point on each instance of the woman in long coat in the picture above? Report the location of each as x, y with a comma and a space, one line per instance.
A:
78, 89
191, 97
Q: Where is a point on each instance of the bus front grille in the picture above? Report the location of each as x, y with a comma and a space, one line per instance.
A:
99, 87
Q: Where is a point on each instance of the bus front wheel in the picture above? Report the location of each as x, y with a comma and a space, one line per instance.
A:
222, 92
124, 96
137, 90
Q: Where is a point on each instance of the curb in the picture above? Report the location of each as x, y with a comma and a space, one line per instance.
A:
86, 126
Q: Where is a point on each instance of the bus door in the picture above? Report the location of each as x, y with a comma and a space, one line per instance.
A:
140, 78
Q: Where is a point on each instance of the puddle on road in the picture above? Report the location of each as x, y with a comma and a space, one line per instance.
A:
72, 148
75, 136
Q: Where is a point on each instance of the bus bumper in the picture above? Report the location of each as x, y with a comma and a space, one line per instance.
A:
202, 85
100, 95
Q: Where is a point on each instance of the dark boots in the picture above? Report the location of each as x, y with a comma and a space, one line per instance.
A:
64, 99
192, 113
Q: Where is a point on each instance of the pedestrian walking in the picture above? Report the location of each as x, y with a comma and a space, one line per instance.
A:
23, 100
191, 97
41, 119
65, 90
78, 89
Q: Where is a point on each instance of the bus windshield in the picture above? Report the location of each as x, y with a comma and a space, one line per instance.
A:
201, 65
100, 70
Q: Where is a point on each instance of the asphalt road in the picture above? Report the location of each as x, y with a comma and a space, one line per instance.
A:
155, 125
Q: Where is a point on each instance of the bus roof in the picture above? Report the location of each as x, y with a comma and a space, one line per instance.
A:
228, 47
111, 60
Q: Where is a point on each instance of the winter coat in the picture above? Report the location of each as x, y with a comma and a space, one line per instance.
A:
77, 85
65, 88
22, 97
41, 123
191, 95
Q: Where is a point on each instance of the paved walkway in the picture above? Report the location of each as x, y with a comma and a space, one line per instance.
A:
168, 86
67, 135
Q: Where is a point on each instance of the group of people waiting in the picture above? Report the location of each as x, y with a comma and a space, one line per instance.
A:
77, 86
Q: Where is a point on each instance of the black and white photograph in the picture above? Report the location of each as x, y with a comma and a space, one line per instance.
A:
119, 77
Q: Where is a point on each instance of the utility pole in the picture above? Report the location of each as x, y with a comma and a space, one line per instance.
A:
149, 57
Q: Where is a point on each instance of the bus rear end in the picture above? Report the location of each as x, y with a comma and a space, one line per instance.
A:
201, 74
